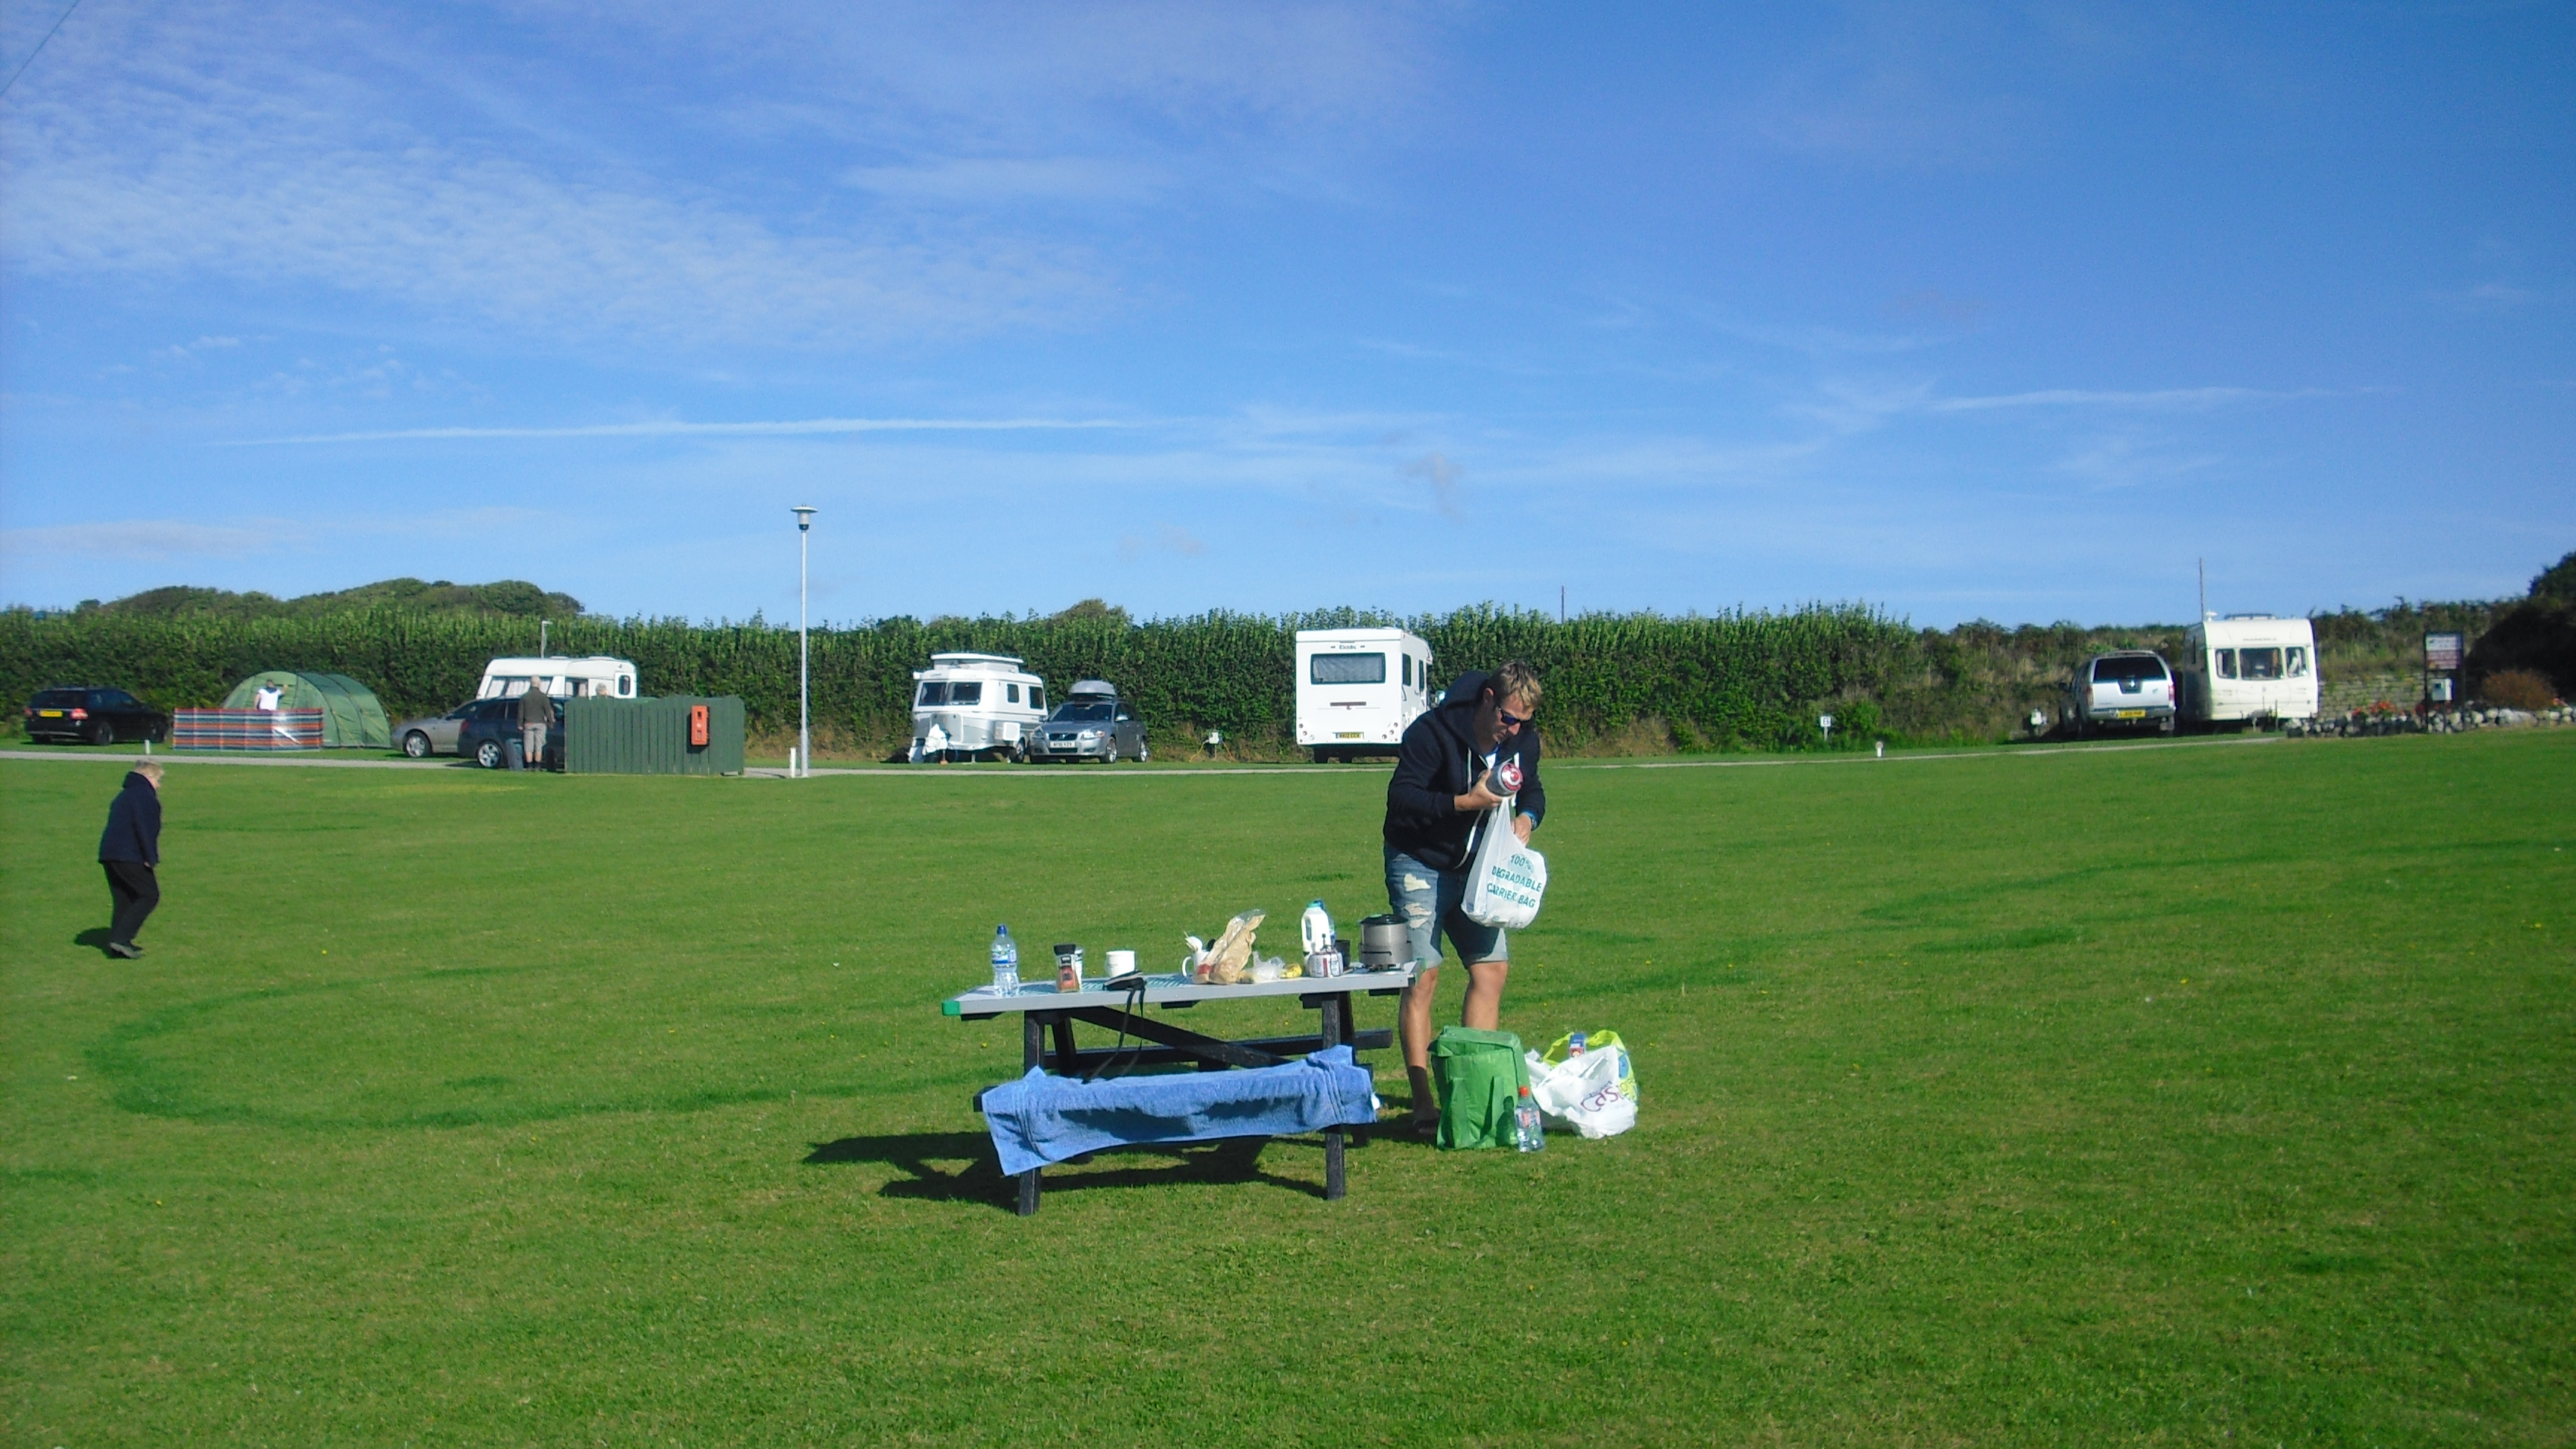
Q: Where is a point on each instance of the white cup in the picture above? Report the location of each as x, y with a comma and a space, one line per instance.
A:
1121, 962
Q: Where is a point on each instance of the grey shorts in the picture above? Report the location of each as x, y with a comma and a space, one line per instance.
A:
1427, 901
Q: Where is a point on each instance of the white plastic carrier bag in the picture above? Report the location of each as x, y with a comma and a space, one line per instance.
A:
1594, 1092
1505, 878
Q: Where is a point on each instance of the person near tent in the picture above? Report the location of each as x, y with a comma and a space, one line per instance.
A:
130, 849
270, 697
536, 711
1440, 792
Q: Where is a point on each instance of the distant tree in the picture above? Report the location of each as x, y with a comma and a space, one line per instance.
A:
2558, 581
1093, 609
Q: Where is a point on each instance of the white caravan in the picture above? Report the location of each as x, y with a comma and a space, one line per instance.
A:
1357, 689
596, 675
968, 705
2249, 667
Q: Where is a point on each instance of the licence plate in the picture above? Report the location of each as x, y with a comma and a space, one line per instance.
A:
2133, 714
1347, 735
49, 714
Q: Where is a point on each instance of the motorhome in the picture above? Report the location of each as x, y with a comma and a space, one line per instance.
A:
593, 675
1357, 689
969, 706
2243, 668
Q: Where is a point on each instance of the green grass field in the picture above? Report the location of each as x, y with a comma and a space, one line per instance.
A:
2213, 1094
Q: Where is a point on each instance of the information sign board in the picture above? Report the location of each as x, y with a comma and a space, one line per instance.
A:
2442, 651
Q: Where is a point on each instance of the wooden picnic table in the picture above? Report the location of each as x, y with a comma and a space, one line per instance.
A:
1045, 1011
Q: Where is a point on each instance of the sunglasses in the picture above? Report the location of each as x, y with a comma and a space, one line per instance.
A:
1509, 718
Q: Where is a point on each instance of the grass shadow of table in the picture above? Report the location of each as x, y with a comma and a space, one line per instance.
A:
960, 1166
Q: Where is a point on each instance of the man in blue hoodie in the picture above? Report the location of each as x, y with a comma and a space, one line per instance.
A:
1455, 764
129, 850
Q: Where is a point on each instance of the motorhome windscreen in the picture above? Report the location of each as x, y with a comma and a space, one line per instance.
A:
1347, 669
933, 692
2226, 663
2258, 663
1081, 711
2106, 671
966, 691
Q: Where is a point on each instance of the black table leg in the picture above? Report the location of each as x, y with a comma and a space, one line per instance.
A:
1333, 1032
1032, 1052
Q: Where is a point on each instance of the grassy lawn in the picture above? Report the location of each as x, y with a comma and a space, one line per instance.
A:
2200, 1095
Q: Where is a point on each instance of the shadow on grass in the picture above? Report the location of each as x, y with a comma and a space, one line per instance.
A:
96, 938
960, 1167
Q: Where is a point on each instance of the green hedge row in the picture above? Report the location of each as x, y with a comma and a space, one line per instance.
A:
1744, 678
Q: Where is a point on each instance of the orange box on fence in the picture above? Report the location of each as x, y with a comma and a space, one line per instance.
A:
697, 726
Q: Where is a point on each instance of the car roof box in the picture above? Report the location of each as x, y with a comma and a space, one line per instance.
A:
1101, 687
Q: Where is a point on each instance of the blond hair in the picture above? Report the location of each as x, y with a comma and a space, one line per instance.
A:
1517, 680
149, 769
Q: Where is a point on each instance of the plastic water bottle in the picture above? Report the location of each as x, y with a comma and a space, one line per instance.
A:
1316, 929
1530, 1128
1006, 962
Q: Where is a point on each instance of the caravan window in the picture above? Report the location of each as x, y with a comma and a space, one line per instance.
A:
2298, 662
1408, 671
2227, 664
933, 691
1014, 694
1348, 669
1037, 696
2259, 663
966, 691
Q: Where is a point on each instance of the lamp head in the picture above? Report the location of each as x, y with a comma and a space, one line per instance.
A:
804, 516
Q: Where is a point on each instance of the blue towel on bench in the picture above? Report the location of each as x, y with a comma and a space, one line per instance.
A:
1041, 1119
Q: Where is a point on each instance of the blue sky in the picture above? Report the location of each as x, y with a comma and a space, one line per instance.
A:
2008, 311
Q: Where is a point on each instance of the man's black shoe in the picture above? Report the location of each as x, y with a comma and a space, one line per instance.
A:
121, 949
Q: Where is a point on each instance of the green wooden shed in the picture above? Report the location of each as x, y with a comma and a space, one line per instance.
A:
351, 717
605, 736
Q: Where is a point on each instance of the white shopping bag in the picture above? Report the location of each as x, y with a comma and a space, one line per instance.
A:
1505, 878
1588, 1092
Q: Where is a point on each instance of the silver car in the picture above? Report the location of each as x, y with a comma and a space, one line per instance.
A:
2128, 689
1091, 724
436, 734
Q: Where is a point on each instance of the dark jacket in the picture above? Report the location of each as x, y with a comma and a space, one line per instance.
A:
535, 708
133, 824
1436, 763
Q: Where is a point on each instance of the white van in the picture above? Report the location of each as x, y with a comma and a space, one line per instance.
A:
2245, 667
594, 675
1357, 689
969, 705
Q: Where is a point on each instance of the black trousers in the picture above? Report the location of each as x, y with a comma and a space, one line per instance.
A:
137, 891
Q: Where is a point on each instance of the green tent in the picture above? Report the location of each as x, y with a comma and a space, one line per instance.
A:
350, 714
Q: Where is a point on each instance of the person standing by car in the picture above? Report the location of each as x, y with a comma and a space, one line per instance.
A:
130, 850
1445, 773
536, 711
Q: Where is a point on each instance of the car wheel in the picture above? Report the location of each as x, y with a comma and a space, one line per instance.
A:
416, 745
101, 732
1111, 757
1143, 753
488, 754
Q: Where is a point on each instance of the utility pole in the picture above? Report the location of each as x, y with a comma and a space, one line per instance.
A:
804, 659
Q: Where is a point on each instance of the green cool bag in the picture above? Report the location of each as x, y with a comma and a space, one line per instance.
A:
1480, 1075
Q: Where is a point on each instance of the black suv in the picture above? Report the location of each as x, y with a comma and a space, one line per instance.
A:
490, 721
93, 714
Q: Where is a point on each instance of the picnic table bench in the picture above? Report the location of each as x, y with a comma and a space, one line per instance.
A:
1047, 1018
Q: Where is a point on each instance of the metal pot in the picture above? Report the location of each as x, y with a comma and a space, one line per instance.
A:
1383, 942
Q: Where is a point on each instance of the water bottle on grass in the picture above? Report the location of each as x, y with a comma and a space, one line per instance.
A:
1006, 962
1531, 1129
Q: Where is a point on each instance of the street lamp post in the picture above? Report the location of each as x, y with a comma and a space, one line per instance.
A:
804, 660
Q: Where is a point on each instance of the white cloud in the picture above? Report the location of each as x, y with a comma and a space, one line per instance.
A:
2175, 398
539, 180
674, 428
172, 539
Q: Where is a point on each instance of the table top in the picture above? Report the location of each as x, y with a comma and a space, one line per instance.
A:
1170, 989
